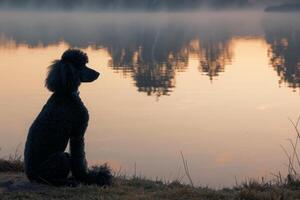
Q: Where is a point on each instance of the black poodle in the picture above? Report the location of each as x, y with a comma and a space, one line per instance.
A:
64, 118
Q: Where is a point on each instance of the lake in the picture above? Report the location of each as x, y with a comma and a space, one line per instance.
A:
219, 87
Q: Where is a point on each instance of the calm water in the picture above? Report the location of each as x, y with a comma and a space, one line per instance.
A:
217, 86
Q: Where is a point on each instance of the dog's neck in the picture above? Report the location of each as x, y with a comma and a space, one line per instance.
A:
73, 94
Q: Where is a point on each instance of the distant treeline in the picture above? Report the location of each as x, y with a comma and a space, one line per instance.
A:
291, 7
123, 4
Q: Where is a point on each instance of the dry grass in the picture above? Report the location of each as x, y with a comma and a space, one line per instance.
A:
293, 166
14, 186
14, 163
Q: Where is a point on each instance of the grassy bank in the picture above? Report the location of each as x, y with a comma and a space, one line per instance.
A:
14, 185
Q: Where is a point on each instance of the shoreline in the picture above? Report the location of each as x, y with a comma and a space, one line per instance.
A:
14, 185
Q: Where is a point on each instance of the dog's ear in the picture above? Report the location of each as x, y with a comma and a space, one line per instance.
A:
62, 77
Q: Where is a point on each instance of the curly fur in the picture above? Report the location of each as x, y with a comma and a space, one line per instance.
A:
63, 120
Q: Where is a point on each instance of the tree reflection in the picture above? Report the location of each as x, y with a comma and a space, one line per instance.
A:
283, 35
153, 56
151, 51
150, 74
215, 54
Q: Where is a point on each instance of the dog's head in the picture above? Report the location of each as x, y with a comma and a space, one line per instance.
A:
65, 75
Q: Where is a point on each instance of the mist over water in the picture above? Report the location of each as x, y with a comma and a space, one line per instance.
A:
140, 5
133, 5
216, 85
154, 42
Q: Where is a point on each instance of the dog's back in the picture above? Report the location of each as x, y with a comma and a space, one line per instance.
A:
52, 129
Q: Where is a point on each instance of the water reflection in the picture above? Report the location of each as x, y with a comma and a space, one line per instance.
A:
283, 34
215, 54
151, 50
152, 57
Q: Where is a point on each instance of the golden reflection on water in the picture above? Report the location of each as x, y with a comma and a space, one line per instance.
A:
228, 126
